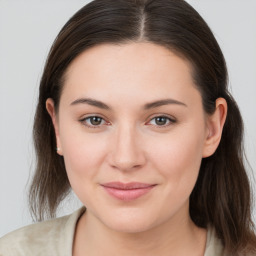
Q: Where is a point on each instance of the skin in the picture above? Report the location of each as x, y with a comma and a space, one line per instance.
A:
129, 144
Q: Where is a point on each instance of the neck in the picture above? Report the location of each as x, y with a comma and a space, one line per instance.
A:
178, 236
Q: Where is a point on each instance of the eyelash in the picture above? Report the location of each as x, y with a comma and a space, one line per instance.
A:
83, 121
169, 119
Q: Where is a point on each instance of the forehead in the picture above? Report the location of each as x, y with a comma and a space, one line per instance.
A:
152, 56
147, 68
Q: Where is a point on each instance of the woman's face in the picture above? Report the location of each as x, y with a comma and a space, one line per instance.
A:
132, 131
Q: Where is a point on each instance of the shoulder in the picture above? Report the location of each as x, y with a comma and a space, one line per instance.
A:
214, 246
53, 236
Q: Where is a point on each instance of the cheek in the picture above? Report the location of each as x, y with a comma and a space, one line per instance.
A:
83, 155
178, 162
178, 158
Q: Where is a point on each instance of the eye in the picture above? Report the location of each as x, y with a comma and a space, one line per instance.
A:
93, 121
161, 121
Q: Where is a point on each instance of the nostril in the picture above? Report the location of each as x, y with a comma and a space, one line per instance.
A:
126, 153
125, 165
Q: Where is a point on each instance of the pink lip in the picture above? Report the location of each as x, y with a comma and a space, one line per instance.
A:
127, 191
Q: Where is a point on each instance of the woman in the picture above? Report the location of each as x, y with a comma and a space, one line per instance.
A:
134, 115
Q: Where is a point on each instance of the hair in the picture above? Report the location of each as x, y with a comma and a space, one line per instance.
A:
222, 196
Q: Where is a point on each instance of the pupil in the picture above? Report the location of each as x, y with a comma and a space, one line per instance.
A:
95, 120
161, 120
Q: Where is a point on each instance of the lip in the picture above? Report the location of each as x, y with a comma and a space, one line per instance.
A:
127, 191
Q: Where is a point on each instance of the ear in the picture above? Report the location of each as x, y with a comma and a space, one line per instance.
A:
215, 123
51, 110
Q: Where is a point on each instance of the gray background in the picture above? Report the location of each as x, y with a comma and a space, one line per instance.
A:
27, 30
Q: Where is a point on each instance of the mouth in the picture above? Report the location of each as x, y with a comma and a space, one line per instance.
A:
127, 191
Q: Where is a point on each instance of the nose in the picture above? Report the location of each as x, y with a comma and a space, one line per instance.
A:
126, 150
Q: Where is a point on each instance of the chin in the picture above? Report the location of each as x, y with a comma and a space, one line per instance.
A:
130, 222
130, 227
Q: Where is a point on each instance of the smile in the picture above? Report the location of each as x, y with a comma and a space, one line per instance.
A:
127, 191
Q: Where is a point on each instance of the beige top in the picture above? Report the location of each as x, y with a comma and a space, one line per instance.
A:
55, 238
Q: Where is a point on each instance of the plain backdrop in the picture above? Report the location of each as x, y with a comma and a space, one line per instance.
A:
27, 30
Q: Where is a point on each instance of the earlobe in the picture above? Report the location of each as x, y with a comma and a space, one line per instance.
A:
51, 110
215, 124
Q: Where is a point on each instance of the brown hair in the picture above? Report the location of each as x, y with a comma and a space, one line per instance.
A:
221, 196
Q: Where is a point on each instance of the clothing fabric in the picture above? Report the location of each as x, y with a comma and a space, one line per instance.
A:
55, 238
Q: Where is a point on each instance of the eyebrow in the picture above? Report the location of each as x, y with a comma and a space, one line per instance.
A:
91, 102
163, 102
147, 106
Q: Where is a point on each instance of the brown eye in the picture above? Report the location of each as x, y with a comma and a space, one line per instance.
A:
161, 121
95, 120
